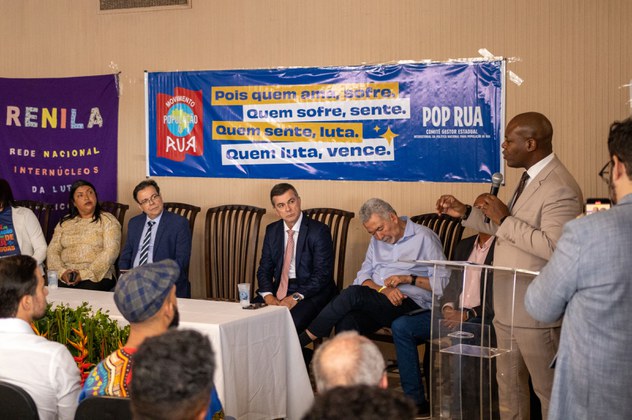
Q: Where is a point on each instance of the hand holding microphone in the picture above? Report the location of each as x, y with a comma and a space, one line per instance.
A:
497, 179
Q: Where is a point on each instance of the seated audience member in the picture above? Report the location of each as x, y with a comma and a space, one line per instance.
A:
588, 282
86, 242
146, 297
386, 287
157, 235
20, 231
297, 261
349, 359
361, 402
457, 307
45, 369
173, 376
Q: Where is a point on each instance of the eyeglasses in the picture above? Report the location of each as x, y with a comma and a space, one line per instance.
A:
151, 199
605, 172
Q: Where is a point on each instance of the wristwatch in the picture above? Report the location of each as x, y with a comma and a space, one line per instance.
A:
471, 313
468, 210
297, 297
414, 279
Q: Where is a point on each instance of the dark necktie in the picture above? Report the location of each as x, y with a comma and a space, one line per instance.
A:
285, 271
523, 182
144, 249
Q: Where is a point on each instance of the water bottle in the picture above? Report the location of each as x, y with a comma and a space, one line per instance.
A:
53, 282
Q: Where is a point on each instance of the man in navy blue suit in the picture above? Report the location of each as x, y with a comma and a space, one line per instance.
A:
302, 281
157, 235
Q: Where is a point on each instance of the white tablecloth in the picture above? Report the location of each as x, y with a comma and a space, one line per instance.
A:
260, 371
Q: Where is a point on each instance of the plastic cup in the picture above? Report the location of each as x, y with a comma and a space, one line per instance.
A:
244, 294
53, 281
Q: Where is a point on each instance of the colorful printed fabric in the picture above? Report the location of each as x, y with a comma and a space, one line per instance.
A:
111, 377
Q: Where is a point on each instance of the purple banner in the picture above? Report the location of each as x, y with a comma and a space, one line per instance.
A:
55, 131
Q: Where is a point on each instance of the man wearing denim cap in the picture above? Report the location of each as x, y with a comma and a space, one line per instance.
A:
146, 297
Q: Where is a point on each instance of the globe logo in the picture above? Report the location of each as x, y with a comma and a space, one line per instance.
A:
181, 120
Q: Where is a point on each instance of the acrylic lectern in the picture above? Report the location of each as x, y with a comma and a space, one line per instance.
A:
463, 354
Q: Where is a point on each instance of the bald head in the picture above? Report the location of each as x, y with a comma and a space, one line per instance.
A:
536, 126
348, 359
528, 139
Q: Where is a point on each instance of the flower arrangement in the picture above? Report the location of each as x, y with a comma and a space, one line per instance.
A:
90, 336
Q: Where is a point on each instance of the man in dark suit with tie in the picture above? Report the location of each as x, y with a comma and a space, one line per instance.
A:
296, 267
157, 235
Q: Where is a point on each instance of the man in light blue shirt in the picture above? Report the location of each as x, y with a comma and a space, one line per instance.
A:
386, 286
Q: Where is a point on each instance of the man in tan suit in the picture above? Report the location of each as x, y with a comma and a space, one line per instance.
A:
527, 231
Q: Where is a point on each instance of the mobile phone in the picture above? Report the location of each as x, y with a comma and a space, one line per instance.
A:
596, 204
255, 305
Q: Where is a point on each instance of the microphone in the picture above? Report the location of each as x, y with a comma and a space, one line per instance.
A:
497, 179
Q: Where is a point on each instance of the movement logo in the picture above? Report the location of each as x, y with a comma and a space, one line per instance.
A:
179, 124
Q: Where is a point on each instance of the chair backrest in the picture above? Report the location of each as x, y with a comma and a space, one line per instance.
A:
338, 222
16, 403
185, 210
231, 236
117, 209
42, 212
104, 408
448, 229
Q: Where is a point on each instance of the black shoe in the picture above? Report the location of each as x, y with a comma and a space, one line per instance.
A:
423, 411
304, 339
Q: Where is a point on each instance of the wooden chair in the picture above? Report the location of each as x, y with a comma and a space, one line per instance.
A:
117, 209
448, 229
104, 408
42, 212
231, 237
185, 210
338, 222
16, 403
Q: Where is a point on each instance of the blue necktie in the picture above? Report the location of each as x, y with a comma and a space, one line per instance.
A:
144, 249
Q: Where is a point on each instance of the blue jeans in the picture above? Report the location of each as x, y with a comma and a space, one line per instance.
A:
408, 332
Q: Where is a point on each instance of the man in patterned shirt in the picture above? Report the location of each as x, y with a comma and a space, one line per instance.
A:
146, 297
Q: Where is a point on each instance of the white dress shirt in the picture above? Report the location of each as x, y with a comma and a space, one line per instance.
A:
45, 369
537, 168
296, 228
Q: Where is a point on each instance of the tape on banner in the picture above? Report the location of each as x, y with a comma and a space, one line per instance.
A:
515, 78
486, 54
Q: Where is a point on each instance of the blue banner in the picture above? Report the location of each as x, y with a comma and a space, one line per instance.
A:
437, 122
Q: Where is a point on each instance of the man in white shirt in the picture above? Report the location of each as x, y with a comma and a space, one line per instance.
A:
44, 369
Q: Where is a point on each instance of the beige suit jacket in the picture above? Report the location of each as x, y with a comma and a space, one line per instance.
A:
527, 238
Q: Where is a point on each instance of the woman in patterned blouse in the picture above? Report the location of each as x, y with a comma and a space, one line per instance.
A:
86, 242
